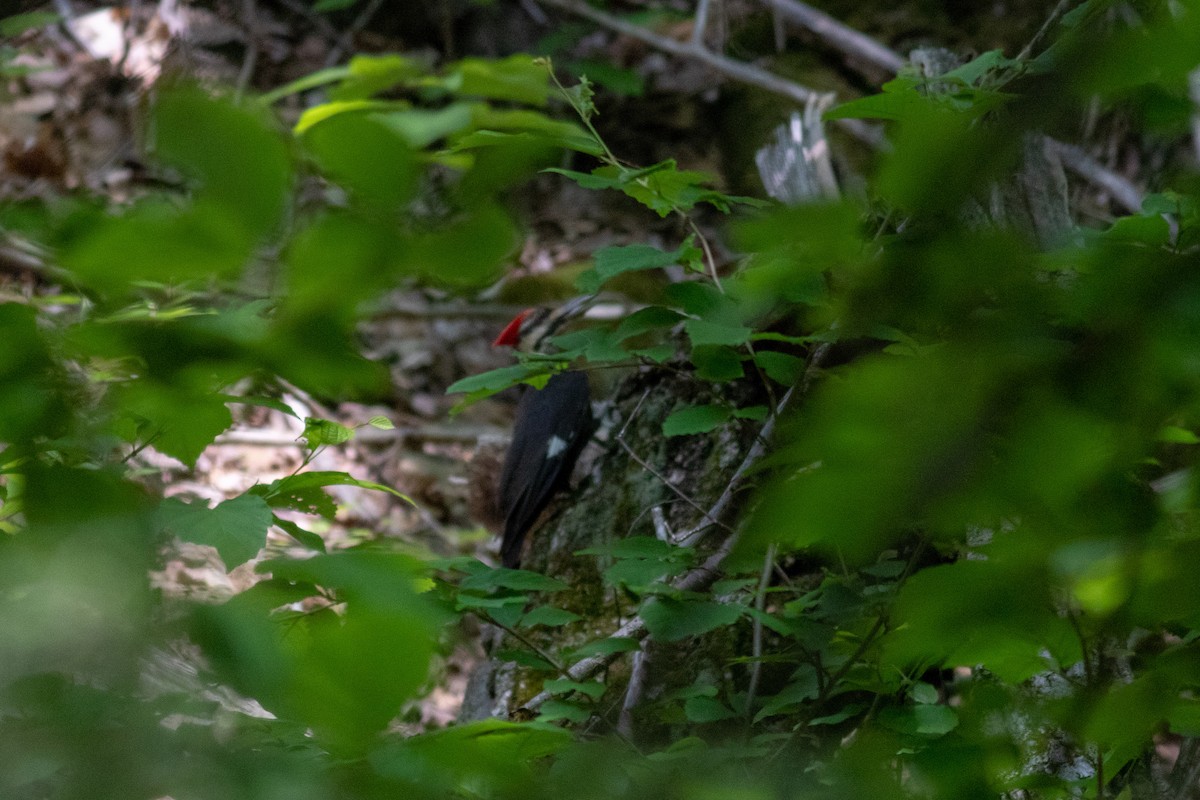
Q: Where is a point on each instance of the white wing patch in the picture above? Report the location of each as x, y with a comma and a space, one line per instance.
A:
556, 446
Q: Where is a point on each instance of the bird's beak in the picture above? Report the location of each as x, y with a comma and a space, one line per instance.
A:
575, 306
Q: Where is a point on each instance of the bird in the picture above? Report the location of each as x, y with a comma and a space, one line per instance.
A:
552, 426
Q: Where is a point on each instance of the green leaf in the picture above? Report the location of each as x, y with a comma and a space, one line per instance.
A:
592, 181
645, 320
1153, 231
157, 243
558, 709
486, 384
237, 528
235, 154
303, 492
308, 82
1184, 717
307, 538
635, 547
344, 675
265, 402
469, 252
783, 368
717, 363
484, 753
549, 616
593, 690
850, 711
496, 380
367, 156
894, 105
326, 111
990, 61
526, 659
756, 413
421, 127
695, 419
319, 432
923, 693
369, 75
671, 620
1173, 434
616, 260
603, 647
518, 579
921, 720
183, 423
662, 187
981, 613
566, 140
517, 78
803, 687
470, 602
706, 709
704, 332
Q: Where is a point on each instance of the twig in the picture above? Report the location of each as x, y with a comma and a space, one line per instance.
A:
1055, 16
367, 435
708, 253
839, 36
739, 70
760, 603
250, 61
535, 13
700, 22
620, 437
319, 22
713, 515
346, 40
633, 691
539, 652
1124, 193
1194, 92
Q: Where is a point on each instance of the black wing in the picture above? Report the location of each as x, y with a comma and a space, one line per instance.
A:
553, 425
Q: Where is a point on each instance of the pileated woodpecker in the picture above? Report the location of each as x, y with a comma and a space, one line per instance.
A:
552, 426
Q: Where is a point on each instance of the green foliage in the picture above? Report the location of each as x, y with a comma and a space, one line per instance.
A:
983, 510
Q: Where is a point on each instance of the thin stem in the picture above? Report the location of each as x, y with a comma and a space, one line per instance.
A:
1055, 15
760, 603
561, 670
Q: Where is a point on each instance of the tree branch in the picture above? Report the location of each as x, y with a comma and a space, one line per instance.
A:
1123, 192
738, 70
839, 36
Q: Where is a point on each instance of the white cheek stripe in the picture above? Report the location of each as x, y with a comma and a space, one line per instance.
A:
556, 447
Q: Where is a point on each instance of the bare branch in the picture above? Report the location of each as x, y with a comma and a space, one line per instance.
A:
346, 42
366, 435
700, 25
839, 36
1124, 193
738, 70
1055, 15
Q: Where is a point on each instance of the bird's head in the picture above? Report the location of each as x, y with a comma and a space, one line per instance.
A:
530, 330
